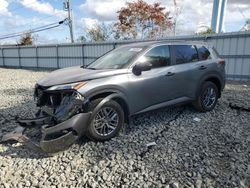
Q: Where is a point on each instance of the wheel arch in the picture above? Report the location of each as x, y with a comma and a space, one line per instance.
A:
117, 96
214, 78
217, 82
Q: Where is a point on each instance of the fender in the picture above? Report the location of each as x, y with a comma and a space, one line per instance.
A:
110, 97
99, 91
110, 94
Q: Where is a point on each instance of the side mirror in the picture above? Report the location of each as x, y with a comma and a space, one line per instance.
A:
140, 67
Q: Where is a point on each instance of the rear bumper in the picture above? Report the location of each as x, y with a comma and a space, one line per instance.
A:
52, 138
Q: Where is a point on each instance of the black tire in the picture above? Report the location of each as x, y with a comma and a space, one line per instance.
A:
202, 100
92, 132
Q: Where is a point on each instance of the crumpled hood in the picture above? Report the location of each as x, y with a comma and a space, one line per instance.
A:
76, 74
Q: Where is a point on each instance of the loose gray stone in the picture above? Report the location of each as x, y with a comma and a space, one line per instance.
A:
213, 152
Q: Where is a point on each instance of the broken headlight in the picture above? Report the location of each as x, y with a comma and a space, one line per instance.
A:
52, 96
74, 86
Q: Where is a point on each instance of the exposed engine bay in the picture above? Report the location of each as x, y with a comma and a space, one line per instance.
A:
57, 124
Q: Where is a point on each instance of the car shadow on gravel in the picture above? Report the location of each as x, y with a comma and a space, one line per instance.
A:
27, 108
139, 122
20, 151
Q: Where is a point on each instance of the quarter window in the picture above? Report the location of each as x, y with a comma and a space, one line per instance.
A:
158, 56
186, 54
204, 53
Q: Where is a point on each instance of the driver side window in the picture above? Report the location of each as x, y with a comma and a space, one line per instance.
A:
158, 56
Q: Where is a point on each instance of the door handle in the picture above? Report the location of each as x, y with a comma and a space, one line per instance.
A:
169, 74
202, 67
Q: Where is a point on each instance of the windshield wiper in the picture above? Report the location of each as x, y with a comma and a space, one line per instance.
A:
86, 67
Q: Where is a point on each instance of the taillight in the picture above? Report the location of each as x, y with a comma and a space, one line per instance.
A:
221, 62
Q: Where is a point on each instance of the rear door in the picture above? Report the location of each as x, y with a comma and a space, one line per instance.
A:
192, 62
188, 70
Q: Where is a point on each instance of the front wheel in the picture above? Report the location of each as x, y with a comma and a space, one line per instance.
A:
106, 121
207, 97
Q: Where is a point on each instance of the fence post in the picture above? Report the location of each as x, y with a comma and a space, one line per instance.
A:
19, 57
83, 63
57, 57
3, 56
114, 45
37, 65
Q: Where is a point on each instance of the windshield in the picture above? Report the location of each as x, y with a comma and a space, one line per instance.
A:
116, 59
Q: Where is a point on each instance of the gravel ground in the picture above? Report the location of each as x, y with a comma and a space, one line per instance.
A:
214, 152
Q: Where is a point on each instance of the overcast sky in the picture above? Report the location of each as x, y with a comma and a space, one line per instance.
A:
19, 15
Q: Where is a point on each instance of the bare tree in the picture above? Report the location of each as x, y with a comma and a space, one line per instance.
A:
81, 39
177, 12
246, 26
26, 39
208, 31
99, 32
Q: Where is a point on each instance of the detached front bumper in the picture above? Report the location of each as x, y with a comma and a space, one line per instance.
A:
51, 139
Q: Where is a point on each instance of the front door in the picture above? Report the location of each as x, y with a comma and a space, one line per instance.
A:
156, 85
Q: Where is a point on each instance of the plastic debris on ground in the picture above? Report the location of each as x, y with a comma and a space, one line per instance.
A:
151, 144
197, 119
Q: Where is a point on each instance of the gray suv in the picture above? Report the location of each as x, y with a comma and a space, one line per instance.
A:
96, 100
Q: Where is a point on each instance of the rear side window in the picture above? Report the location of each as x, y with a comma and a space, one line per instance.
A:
185, 54
158, 56
204, 53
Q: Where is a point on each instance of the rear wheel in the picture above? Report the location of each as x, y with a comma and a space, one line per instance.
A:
106, 121
207, 97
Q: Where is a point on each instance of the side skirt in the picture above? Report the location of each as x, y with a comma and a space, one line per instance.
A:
165, 104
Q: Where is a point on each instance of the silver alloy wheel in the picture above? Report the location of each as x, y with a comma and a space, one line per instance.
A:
106, 121
209, 97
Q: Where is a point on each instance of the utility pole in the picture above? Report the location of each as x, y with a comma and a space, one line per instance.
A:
67, 7
217, 22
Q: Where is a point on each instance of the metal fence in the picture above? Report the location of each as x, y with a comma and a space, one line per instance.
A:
233, 47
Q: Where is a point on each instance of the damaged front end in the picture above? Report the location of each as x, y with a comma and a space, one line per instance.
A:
61, 119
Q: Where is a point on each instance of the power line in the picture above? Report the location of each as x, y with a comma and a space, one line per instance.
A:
35, 30
42, 28
43, 18
21, 32
22, 7
17, 35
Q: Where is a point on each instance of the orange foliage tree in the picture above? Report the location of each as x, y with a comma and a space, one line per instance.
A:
142, 20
